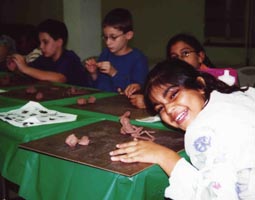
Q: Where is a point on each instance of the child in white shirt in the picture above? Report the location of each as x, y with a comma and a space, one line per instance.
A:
220, 134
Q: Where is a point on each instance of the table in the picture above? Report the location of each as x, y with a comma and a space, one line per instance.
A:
44, 177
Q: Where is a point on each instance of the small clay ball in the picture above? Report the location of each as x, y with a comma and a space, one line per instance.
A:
73, 90
91, 99
71, 140
39, 96
81, 101
31, 90
84, 140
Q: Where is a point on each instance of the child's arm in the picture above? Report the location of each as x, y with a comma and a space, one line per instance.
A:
218, 178
36, 73
148, 152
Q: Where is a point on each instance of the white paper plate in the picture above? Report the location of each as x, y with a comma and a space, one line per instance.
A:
151, 119
2, 91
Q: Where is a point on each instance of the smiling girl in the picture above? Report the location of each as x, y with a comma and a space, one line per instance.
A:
187, 48
220, 134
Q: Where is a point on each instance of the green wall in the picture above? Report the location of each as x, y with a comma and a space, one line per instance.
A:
156, 21
30, 11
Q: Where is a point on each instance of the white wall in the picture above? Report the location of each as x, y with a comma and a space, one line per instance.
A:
83, 18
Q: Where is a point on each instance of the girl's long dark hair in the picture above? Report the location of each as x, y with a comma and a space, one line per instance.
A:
179, 73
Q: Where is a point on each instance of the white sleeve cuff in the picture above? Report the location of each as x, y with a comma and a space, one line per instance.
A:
183, 176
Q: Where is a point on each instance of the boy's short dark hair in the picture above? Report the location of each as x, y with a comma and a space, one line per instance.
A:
120, 19
55, 28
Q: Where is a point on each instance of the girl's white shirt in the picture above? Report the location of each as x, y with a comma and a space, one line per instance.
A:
221, 146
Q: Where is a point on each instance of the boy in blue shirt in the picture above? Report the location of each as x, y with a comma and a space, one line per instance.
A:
56, 64
119, 67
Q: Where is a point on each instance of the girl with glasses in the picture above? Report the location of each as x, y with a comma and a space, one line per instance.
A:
187, 48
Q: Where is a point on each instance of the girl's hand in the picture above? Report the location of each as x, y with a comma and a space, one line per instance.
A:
137, 100
107, 68
147, 152
131, 89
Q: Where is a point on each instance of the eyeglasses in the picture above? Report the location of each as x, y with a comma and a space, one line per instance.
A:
111, 37
184, 54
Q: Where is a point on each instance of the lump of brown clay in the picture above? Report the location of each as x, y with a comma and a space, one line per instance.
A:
84, 140
31, 90
39, 96
91, 99
81, 101
71, 140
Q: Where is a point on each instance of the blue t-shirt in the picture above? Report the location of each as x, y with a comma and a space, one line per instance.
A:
131, 68
68, 64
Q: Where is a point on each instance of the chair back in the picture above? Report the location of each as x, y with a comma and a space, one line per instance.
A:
217, 72
246, 76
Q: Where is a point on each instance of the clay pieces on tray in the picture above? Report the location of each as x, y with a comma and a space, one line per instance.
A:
103, 137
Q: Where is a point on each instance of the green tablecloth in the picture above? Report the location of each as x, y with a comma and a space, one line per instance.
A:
53, 178
59, 102
43, 177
